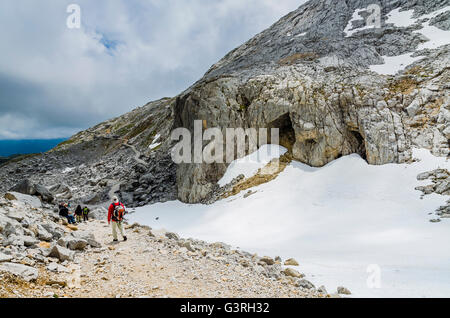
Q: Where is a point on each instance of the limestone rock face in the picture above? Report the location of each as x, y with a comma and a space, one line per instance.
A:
309, 75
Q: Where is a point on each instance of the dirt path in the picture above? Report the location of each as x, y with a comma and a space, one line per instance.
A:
146, 266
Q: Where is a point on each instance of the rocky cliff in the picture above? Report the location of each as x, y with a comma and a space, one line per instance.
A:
333, 85
308, 77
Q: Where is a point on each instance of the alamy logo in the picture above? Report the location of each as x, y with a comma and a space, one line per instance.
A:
74, 19
374, 19
374, 279
219, 149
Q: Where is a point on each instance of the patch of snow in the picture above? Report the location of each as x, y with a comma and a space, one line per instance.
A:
155, 142
401, 19
336, 221
436, 38
394, 64
302, 34
249, 165
67, 170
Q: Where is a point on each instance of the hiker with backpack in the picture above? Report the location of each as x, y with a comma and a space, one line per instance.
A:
79, 214
116, 212
70, 215
86, 214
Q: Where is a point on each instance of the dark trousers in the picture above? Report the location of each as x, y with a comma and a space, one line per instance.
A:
85, 217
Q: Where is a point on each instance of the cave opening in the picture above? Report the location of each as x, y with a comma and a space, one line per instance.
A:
287, 133
360, 144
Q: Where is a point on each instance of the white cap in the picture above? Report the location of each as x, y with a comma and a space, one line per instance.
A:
115, 199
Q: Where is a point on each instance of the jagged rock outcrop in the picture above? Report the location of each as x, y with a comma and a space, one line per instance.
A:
308, 77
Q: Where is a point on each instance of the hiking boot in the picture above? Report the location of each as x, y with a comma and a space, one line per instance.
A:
124, 238
115, 240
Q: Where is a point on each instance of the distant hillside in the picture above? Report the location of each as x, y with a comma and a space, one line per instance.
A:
13, 147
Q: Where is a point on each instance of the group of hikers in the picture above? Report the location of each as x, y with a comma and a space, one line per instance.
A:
116, 213
74, 217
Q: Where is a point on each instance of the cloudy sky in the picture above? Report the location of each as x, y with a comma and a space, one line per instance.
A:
56, 81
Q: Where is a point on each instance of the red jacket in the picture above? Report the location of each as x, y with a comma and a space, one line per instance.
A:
111, 210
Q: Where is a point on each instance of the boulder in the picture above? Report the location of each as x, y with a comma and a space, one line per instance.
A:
72, 227
10, 227
292, 273
26, 273
291, 262
306, 284
267, 260
44, 193
5, 258
187, 245
88, 237
172, 236
92, 198
42, 234
15, 240
24, 187
322, 290
29, 188
343, 291
56, 268
75, 244
29, 241
54, 230
61, 253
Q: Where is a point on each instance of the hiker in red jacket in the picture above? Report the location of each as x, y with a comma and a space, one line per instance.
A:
116, 212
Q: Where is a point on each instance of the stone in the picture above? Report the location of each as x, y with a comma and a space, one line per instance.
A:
29, 241
292, 273
29, 188
72, 227
25, 272
187, 245
56, 268
10, 196
5, 258
43, 235
343, 291
172, 236
75, 244
44, 245
61, 253
267, 260
322, 290
88, 237
55, 231
303, 283
291, 262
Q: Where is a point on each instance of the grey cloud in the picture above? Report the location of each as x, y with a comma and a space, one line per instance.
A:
55, 81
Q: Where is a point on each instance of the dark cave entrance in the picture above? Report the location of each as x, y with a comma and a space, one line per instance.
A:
360, 144
287, 133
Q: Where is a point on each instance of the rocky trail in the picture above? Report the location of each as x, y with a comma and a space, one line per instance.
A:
82, 261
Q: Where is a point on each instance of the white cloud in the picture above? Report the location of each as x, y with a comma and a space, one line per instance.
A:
161, 47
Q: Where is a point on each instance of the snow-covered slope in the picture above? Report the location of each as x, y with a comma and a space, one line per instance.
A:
336, 221
403, 19
249, 165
